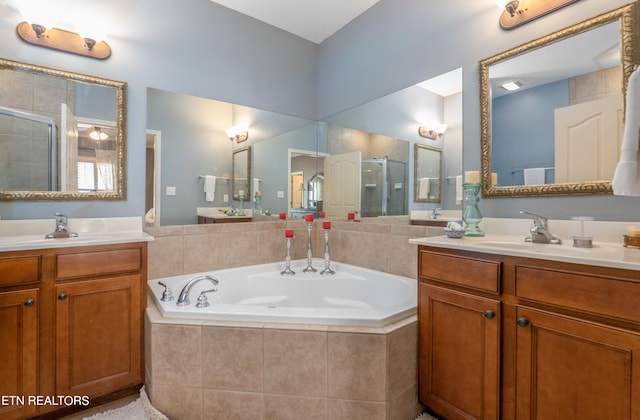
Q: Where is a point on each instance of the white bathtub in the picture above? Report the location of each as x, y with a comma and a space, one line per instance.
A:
352, 296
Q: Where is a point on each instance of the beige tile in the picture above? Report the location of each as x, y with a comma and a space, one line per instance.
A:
202, 253
271, 246
349, 410
295, 362
589, 85
613, 80
177, 358
357, 366
405, 405
239, 248
232, 358
229, 405
280, 407
402, 360
165, 257
178, 402
374, 251
402, 256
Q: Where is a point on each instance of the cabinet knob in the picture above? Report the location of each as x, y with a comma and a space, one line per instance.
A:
62, 296
29, 302
523, 322
489, 314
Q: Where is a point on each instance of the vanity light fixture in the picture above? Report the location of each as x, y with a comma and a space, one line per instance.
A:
432, 131
98, 135
237, 134
62, 40
512, 85
516, 13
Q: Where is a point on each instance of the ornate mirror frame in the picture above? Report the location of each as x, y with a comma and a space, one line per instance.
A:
120, 185
629, 20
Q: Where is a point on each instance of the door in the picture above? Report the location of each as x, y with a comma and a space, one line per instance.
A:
68, 150
98, 335
297, 190
19, 346
459, 353
342, 184
588, 140
573, 369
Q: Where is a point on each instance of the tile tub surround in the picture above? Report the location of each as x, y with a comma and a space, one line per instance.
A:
232, 370
378, 243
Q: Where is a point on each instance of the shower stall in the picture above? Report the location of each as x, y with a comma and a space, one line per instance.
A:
384, 187
32, 147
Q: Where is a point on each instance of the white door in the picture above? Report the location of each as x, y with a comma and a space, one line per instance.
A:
342, 184
297, 190
68, 150
588, 140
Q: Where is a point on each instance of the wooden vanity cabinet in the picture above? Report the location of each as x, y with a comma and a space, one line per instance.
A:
90, 317
562, 340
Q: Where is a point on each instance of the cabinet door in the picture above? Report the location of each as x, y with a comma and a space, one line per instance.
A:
18, 346
573, 369
98, 335
459, 353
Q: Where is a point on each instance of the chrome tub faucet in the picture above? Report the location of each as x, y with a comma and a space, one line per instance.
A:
183, 299
540, 232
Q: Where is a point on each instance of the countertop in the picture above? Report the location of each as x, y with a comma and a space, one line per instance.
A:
20, 235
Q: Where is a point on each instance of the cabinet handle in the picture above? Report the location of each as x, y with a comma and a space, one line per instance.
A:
62, 296
29, 302
523, 322
489, 314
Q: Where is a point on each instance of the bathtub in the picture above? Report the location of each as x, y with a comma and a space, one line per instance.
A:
352, 296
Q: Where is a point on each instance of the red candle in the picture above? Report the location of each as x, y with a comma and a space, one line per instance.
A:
351, 216
308, 217
321, 215
282, 216
288, 233
326, 225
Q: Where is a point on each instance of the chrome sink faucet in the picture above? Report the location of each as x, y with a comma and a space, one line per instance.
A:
435, 213
540, 232
183, 299
62, 230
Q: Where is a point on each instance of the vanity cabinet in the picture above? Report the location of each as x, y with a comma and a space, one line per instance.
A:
506, 337
77, 330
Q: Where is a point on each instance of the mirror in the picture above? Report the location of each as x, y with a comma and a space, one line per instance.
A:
62, 135
553, 72
427, 180
241, 169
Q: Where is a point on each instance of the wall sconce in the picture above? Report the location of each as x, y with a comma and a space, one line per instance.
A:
98, 135
518, 13
433, 131
62, 40
237, 134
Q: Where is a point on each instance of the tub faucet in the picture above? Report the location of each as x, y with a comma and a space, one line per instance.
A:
183, 299
62, 230
540, 232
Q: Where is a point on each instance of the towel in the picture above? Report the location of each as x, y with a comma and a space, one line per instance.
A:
256, 185
459, 190
209, 187
534, 176
423, 188
626, 179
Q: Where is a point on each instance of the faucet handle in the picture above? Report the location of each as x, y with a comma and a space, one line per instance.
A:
167, 294
202, 298
537, 219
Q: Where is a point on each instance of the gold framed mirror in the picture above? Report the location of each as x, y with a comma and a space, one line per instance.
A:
520, 64
241, 169
62, 135
427, 170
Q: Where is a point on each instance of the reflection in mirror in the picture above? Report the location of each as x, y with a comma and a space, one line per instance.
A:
241, 169
559, 129
49, 121
427, 179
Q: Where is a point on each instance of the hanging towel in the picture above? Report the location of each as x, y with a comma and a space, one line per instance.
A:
423, 188
459, 192
626, 179
534, 176
209, 187
256, 185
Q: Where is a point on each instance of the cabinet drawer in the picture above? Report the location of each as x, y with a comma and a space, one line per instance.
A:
96, 263
469, 272
19, 270
594, 294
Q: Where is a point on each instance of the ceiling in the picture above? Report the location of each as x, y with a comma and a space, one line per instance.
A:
314, 20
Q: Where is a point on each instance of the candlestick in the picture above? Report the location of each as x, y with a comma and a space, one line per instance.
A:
327, 271
471, 214
309, 268
288, 233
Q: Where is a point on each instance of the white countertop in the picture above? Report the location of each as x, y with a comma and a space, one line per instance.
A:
19, 235
220, 212
607, 250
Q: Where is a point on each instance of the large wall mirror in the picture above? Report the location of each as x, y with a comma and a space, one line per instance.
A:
552, 109
62, 135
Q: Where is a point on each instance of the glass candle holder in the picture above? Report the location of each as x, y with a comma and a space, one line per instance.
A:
471, 215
